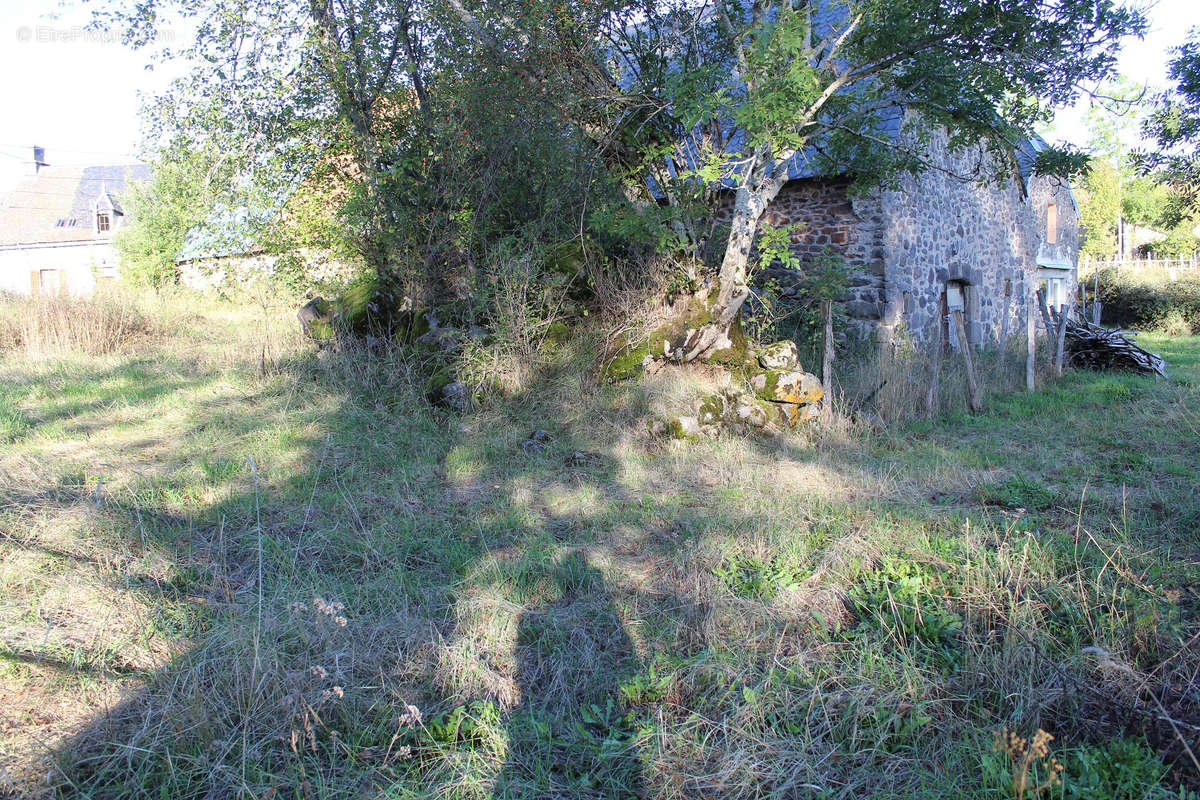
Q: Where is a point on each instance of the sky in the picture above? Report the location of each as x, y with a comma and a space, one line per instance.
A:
76, 92
1143, 61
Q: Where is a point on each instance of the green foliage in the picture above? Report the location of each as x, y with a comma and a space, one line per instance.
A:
184, 185
1099, 210
1144, 202
651, 685
908, 601
824, 278
752, 577
1175, 125
1150, 304
1120, 770
1113, 121
774, 246
1179, 242
1019, 491
470, 722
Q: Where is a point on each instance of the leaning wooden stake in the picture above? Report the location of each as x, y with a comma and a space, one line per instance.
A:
1061, 335
827, 364
1030, 345
935, 354
973, 401
1041, 301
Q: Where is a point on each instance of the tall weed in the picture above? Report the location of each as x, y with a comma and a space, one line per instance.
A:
104, 323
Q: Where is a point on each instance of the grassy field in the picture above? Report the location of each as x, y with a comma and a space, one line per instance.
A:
232, 567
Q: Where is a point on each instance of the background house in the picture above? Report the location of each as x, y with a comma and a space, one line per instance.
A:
59, 224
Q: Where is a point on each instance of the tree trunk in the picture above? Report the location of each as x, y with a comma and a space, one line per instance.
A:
733, 287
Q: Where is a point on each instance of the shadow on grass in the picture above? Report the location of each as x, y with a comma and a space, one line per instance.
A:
515, 598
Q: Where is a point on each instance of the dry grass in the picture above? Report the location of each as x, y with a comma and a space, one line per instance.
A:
444, 613
61, 324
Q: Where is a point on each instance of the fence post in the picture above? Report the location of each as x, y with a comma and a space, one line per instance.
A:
1004, 330
1061, 337
827, 364
935, 354
1030, 344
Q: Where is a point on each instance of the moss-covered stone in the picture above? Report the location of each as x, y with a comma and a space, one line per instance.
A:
567, 259
626, 366
685, 427
738, 354
320, 330
439, 380
557, 333
712, 410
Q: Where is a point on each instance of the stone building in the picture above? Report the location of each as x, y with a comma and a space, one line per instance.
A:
59, 224
938, 242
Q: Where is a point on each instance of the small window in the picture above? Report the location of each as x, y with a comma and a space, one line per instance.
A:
102, 223
1052, 223
71, 222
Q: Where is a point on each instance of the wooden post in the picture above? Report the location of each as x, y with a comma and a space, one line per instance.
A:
1004, 331
1030, 345
1041, 301
1060, 338
827, 364
1096, 298
964, 347
935, 356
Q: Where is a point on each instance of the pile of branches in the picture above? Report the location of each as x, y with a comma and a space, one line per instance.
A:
1095, 347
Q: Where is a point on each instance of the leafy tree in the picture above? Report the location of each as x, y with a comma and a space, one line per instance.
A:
1144, 202
438, 149
179, 195
460, 119
1114, 118
724, 95
1175, 126
1100, 210
278, 84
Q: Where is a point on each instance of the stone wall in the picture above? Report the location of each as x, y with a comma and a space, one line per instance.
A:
908, 243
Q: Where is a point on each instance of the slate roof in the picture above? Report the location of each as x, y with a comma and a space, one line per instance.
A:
226, 231
41, 209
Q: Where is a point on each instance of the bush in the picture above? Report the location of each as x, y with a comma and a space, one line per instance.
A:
1150, 302
104, 323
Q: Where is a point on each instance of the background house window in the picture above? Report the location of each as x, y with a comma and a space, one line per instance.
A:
102, 222
1056, 292
1052, 223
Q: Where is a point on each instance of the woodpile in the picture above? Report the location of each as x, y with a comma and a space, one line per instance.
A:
1095, 347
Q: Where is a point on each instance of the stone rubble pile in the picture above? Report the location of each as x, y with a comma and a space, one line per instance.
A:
769, 391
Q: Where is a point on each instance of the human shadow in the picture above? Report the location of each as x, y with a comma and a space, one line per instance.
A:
571, 734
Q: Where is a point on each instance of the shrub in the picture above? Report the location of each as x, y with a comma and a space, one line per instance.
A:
1150, 301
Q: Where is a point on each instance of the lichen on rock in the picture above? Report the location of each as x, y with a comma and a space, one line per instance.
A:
781, 355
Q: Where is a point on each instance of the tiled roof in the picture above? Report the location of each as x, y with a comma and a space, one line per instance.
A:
41, 209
